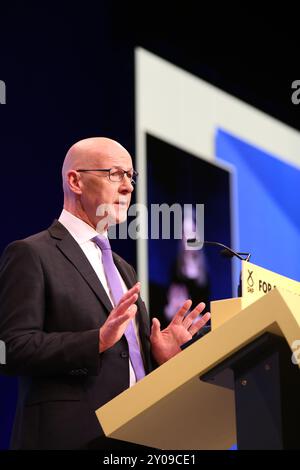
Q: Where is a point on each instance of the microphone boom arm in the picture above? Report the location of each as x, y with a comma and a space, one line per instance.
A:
226, 250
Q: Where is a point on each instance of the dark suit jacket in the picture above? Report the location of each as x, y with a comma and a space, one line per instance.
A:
52, 305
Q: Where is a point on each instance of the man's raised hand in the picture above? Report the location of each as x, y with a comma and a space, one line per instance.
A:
166, 343
117, 321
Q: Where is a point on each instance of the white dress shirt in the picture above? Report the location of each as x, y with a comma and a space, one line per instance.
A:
83, 234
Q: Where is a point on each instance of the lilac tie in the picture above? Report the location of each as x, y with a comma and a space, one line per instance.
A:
117, 292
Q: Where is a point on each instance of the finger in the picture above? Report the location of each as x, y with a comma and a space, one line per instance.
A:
155, 329
199, 323
190, 317
123, 306
125, 317
134, 290
179, 315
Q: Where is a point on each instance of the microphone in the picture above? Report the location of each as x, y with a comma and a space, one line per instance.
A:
226, 251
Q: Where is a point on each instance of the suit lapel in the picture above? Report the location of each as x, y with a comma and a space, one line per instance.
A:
71, 250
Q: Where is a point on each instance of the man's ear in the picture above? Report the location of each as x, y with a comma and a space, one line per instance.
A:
74, 181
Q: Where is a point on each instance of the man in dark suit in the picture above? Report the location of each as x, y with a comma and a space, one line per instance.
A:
65, 333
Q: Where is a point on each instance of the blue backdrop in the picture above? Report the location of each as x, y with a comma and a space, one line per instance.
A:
267, 193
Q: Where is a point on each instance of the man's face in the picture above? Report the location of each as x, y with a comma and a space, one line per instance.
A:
106, 202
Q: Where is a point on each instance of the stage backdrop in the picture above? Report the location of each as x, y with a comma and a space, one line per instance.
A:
70, 74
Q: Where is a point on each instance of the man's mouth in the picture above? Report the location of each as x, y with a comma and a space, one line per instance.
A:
121, 203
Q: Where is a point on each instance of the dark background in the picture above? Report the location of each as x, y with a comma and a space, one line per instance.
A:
69, 74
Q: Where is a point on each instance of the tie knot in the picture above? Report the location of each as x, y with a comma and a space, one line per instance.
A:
102, 242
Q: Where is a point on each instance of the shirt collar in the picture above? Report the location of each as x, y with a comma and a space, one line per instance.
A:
80, 230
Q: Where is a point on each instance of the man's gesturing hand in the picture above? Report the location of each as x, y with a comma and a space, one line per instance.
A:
115, 325
166, 343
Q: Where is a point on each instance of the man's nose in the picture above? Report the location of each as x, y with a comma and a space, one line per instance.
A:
126, 184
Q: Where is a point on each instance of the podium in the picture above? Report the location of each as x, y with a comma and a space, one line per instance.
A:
237, 384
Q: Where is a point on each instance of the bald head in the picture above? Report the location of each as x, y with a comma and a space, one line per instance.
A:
90, 153
85, 192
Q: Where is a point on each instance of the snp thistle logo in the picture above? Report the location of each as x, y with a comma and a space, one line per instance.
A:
296, 352
2, 92
2, 352
250, 282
